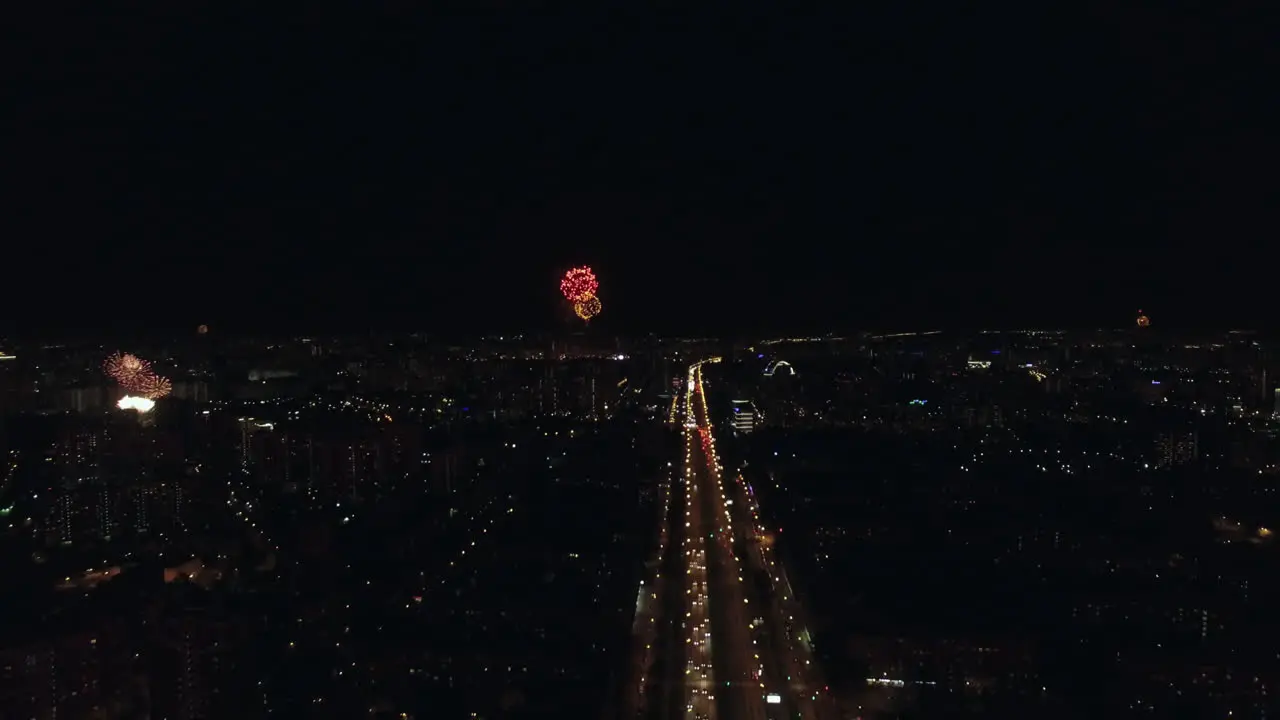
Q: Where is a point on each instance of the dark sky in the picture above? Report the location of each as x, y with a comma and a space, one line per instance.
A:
729, 171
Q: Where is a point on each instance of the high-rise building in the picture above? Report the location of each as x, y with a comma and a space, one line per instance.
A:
65, 671
192, 669
1176, 448
743, 419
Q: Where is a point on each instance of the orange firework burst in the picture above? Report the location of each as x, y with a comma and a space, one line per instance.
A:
124, 367
151, 387
1143, 320
587, 307
579, 283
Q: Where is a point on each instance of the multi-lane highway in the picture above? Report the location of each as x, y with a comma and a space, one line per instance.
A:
700, 677
785, 630
794, 689
645, 662
720, 636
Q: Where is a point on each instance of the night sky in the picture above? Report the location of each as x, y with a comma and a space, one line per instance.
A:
406, 169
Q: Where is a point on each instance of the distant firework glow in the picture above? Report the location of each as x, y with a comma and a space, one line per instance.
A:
579, 283
124, 367
153, 387
139, 404
136, 378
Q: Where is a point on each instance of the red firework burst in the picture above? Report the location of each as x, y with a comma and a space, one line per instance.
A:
124, 367
579, 283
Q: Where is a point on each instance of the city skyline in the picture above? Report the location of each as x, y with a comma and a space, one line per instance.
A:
643, 528
705, 362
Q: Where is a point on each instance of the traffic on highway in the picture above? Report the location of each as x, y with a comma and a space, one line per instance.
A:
743, 651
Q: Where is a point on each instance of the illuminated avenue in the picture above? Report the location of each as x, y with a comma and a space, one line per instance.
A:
718, 630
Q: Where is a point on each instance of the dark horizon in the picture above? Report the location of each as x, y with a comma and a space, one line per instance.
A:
165, 334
